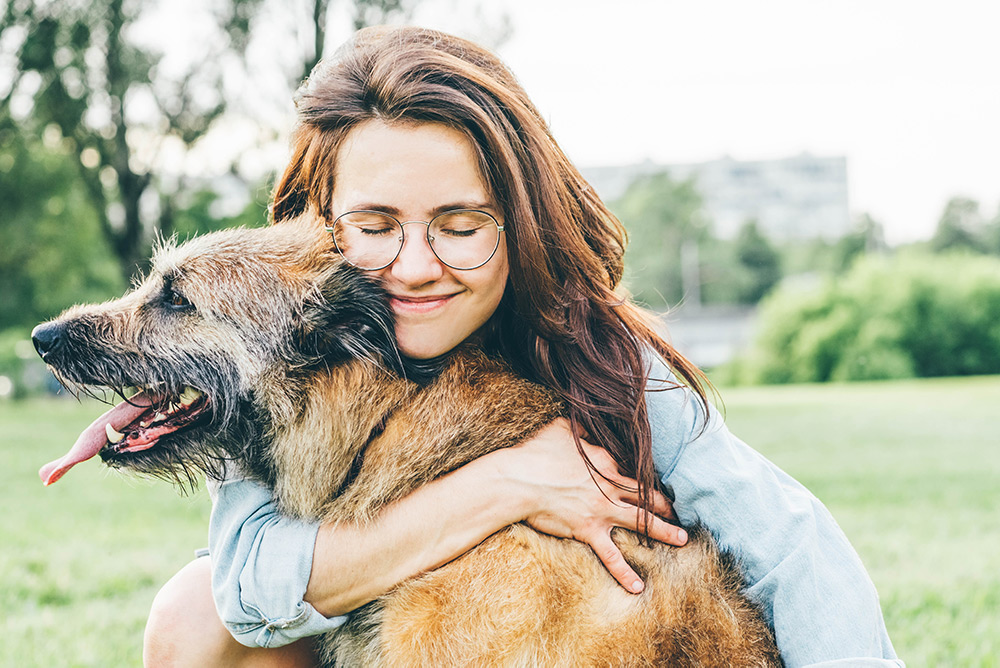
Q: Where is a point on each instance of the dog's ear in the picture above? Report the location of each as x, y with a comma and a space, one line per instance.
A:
348, 317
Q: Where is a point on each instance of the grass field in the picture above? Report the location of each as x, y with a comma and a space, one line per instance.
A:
911, 471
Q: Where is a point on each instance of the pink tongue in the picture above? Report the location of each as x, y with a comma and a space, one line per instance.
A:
93, 438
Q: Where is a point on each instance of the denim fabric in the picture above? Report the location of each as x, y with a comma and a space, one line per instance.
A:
260, 567
797, 562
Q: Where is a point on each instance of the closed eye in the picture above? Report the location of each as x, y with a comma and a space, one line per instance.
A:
376, 231
461, 234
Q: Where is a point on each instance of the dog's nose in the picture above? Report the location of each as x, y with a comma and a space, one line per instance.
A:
47, 337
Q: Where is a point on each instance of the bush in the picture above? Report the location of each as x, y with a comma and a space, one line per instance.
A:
908, 316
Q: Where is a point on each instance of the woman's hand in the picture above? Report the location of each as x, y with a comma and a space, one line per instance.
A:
543, 481
567, 500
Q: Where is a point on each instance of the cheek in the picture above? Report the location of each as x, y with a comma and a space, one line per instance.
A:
492, 289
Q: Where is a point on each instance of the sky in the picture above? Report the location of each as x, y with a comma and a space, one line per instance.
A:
909, 92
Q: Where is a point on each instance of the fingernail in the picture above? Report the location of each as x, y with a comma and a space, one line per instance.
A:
682, 535
637, 587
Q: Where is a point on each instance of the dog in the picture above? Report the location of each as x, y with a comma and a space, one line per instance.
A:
262, 348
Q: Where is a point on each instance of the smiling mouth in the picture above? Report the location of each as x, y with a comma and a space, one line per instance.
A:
134, 425
418, 304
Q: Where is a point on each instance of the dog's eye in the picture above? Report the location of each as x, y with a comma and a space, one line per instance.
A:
175, 299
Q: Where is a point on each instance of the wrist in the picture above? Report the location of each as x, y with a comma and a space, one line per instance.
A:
504, 471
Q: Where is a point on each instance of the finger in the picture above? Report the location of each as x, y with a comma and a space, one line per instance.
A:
614, 561
663, 506
668, 533
657, 528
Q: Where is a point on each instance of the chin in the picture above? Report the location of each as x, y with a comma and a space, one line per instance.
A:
428, 346
425, 352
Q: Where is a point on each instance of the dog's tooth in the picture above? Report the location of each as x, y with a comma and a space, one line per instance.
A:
144, 424
189, 395
114, 436
159, 417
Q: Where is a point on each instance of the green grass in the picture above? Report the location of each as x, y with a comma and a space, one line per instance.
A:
81, 560
910, 470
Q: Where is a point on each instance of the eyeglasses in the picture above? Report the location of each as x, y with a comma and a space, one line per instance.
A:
461, 239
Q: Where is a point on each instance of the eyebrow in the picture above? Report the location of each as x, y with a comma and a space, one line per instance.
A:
436, 211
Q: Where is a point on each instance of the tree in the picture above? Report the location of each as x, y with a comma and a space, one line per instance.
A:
364, 13
991, 235
53, 252
911, 314
868, 236
760, 262
81, 74
661, 216
960, 227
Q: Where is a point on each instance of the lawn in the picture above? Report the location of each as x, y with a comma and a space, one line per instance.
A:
910, 470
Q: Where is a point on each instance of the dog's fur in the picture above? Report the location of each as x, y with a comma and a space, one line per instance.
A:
307, 393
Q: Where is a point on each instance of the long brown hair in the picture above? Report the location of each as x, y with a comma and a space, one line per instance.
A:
560, 322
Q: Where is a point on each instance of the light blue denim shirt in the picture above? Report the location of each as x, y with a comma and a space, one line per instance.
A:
797, 562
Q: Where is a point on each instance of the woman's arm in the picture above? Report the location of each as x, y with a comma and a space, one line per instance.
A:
544, 482
262, 562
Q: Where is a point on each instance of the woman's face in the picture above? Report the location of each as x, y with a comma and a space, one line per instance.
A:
414, 171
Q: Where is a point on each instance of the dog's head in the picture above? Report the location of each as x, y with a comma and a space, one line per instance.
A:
210, 346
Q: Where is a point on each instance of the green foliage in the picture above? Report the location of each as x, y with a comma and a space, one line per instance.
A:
79, 75
53, 253
960, 227
759, 262
660, 214
203, 211
912, 315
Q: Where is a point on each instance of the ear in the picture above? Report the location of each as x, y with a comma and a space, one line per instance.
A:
348, 318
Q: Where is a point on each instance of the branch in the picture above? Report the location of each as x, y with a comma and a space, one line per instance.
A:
320, 8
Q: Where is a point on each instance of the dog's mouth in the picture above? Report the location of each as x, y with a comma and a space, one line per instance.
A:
132, 426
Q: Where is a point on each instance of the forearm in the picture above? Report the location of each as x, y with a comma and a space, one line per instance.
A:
354, 564
544, 482
262, 562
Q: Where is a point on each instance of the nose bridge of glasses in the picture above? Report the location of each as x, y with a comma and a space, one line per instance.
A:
427, 239
402, 230
403, 224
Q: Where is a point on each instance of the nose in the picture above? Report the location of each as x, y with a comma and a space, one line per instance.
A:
48, 338
416, 263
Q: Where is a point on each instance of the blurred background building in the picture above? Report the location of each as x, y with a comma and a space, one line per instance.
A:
795, 198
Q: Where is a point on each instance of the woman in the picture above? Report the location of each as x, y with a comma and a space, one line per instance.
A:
406, 125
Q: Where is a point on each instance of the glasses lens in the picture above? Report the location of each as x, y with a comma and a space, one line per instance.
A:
368, 239
464, 239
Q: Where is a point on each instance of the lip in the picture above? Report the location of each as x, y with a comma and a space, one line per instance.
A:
402, 304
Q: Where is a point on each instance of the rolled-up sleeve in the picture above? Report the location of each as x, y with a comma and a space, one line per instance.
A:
797, 563
260, 567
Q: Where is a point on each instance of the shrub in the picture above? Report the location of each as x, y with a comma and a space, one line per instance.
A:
900, 317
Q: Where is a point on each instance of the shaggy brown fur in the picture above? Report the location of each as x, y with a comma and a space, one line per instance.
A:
294, 352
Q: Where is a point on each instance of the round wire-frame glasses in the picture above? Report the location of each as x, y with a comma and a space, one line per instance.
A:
461, 239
